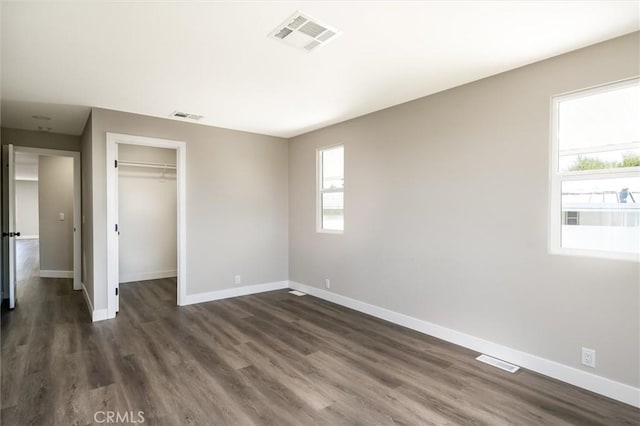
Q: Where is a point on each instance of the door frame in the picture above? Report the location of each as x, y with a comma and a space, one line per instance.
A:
77, 203
113, 139
9, 279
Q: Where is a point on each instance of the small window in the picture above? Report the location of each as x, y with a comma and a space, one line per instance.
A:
330, 187
595, 172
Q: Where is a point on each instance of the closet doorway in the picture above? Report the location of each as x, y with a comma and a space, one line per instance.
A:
146, 217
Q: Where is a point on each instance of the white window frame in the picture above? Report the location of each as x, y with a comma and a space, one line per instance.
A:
320, 191
556, 178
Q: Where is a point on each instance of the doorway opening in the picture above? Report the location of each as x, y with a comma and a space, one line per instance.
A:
28, 220
41, 231
146, 221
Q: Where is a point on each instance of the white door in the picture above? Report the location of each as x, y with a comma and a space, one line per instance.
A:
116, 257
9, 233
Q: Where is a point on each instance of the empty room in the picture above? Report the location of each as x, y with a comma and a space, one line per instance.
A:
320, 212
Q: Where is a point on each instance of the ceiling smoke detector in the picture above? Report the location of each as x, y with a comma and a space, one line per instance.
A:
185, 115
304, 32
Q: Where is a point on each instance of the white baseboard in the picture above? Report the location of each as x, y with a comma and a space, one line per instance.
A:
144, 276
96, 315
100, 315
55, 274
86, 299
598, 384
28, 237
234, 292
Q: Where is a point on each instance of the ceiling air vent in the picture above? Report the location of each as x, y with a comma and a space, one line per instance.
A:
185, 115
304, 32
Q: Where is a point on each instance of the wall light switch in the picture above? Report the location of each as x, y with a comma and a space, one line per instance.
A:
238, 279
61, 216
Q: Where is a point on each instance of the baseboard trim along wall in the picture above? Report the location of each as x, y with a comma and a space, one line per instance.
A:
44, 273
100, 314
234, 292
86, 299
144, 276
598, 384
582, 379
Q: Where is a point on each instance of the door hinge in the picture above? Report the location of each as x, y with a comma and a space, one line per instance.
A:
116, 163
116, 227
116, 291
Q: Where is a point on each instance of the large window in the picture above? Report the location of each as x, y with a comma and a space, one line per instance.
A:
595, 172
330, 187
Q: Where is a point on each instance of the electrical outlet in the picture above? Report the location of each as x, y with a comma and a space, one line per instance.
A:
238, 279
61, 216
589, 357
327, 283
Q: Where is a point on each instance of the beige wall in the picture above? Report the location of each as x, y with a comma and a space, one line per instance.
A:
147, 214
55, 196
446, 203
236, 201
29, 138
27, 208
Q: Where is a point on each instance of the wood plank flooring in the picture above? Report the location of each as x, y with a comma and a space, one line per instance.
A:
267, 359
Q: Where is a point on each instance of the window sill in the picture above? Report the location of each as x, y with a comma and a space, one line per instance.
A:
607, 255
329, 231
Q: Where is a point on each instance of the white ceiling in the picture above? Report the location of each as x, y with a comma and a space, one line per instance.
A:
68, 119
215, 59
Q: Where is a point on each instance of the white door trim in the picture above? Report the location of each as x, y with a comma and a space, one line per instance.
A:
77, 205
9, 150
112, 212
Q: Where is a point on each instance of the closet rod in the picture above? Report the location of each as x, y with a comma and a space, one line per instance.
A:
150, 165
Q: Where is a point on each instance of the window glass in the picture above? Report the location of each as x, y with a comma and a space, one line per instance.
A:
602, 119
596, 187
333, 211
606, 212
333, 168
331, 189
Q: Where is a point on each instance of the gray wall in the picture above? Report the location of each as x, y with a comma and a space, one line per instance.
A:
147, 214
446, 214
87, 207
145, 154
236, 201
55, 196
27, 207
44, 140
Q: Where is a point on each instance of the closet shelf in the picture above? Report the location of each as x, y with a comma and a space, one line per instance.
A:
148, 165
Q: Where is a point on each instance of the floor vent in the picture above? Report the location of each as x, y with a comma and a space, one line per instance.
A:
502, 365
304, 32
297, 293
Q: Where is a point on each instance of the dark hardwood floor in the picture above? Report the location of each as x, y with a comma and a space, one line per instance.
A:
268, 359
